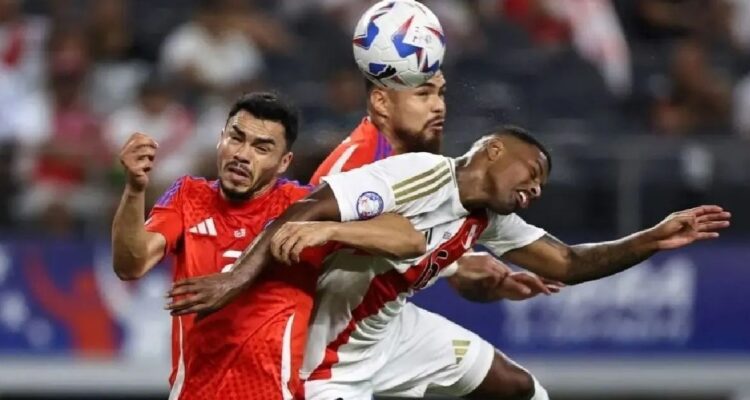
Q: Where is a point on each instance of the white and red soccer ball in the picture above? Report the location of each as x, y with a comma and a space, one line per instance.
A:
398, 44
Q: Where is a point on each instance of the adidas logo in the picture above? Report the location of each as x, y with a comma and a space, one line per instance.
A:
205, 227
460, 348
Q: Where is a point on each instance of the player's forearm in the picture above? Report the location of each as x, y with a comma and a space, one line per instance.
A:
129, 237
387, 235
593, 261
319, 206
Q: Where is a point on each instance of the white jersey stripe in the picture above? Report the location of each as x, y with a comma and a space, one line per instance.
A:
179, 378
286, 359
202, 228
339, 164
211, 227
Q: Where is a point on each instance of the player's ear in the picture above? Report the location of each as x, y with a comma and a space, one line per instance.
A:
286, 160
378, 101
494, 148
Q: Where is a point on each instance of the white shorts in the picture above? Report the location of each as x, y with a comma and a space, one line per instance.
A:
423, 354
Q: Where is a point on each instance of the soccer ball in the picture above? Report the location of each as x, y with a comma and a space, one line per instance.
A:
398, 44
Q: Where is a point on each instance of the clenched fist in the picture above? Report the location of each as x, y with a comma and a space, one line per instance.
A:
137, 156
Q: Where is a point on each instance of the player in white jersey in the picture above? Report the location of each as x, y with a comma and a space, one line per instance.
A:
365, 335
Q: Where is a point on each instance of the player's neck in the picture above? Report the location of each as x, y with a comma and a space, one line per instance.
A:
397, 146
470, 183
256, 193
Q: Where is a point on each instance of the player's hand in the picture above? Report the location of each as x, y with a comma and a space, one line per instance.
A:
685, 227
203, 294
137, 156
293, 237
525, 285
482, 277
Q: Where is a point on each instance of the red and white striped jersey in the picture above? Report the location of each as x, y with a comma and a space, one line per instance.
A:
359, 294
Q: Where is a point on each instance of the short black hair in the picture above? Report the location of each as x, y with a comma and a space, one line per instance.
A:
526, 137
270, 107
369, 85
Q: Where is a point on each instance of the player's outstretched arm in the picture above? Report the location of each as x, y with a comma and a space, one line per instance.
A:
134, 250
554, 259
388, 235
210, 293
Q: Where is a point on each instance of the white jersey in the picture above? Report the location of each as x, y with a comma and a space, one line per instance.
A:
360, 294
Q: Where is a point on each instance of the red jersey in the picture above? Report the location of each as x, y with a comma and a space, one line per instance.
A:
365, 145
253, 347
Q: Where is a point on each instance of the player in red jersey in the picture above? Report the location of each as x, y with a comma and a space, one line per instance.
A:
252, 348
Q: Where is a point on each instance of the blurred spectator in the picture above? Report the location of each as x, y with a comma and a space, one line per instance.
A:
670, 19
458, 20
740, 29
345, 13
209, 54
741, 108
158, 114
22, 59
346, 96
70, 150
267, 32
599, 38
591, 27
22, 41
115, 75
542, 19
699, 99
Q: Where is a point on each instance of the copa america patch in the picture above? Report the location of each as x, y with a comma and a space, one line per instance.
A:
369, 204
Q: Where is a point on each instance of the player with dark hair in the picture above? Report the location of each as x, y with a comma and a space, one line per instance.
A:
366, 338
253, 348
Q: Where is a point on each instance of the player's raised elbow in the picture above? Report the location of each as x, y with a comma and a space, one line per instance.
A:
129, 268
125, 275
128, 273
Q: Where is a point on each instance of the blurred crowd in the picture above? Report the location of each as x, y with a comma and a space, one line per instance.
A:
77, 77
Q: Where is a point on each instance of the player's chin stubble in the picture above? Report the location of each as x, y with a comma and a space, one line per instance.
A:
423, 142
235, 195
431, 144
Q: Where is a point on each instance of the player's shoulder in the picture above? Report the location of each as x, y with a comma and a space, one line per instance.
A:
496, 218
359, 143
502, 222
187, 187
291, 189
415, 162
196, 183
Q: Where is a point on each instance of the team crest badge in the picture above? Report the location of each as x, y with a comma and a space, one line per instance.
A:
369, 204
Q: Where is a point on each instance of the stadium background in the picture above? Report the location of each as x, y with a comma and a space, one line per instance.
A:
644, 103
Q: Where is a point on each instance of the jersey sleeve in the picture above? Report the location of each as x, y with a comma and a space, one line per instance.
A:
166, 215
314, 256
407, 184
346, 157
508, 232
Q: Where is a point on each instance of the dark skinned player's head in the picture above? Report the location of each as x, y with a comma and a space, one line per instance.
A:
512, 167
